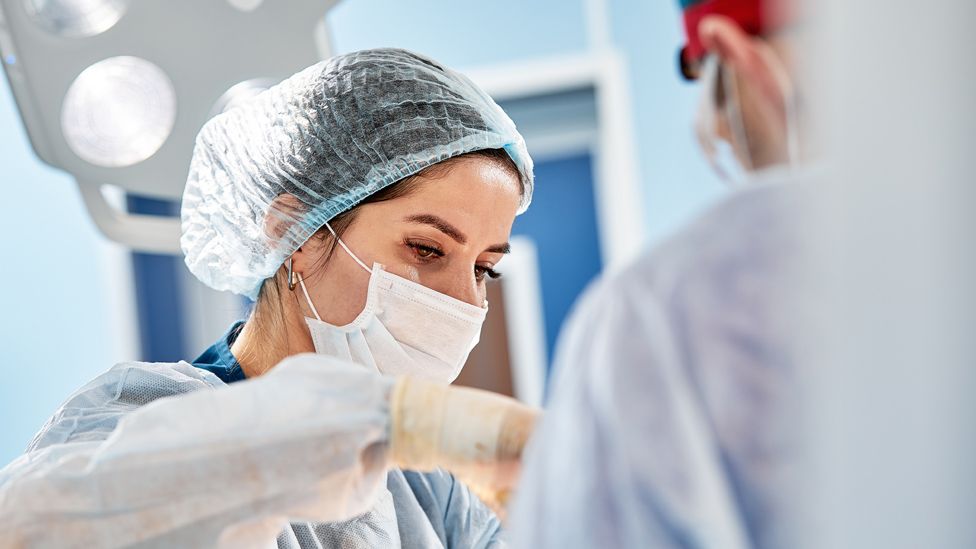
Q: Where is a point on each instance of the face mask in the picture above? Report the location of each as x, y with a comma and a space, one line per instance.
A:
405, 328
719, 153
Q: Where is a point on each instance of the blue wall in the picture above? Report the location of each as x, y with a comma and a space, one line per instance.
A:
156, 280
562, 223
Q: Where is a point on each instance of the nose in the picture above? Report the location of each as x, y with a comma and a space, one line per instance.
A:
461, 285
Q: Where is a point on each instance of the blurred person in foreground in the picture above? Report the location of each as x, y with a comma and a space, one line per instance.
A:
669, 423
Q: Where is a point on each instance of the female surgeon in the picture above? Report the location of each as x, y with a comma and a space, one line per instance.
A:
362, 204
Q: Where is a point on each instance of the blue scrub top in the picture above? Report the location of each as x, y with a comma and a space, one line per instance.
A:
218, 359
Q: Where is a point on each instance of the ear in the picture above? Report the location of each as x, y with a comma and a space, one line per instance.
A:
301, 261
722, 36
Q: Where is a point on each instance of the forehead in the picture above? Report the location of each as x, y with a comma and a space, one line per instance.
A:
476, 175
471, 192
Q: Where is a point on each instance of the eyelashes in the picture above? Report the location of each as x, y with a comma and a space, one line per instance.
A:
427, 253
480, 272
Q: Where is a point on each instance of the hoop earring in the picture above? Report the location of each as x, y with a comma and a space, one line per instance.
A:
291, 276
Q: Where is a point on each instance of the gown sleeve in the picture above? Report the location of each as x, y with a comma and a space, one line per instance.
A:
165, 455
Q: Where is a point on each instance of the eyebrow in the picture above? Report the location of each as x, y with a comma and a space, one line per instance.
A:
450, 230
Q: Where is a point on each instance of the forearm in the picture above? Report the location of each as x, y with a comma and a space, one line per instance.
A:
472, 433
284, 444
310, 440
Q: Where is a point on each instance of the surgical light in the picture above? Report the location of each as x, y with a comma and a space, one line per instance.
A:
118, 112
115, 91
75, 18
245, 5
240, 93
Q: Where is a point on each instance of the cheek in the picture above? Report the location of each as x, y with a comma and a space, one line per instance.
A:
411, 273
439, 276
340, 292
399, 259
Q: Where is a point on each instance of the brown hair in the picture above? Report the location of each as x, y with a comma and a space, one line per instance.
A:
267, 316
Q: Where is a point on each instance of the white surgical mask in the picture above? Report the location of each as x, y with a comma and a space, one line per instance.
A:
405, 328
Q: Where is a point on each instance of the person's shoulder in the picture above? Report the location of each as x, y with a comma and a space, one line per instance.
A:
753, 229
141, 382
730, 264
91, 412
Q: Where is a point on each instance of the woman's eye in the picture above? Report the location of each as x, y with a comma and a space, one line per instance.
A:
423, 251
480, 272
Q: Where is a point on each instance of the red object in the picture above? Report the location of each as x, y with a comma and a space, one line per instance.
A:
754, 16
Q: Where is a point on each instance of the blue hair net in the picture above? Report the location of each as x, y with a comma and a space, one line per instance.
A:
329, 136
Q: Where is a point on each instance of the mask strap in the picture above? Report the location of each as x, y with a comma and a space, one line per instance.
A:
707, 119
348, 251
301, 282
733, 113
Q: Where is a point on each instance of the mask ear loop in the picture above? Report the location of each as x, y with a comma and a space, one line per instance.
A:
301, 282
348, 251
707, 120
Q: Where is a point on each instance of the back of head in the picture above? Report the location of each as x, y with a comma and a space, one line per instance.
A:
757, 18
743, 52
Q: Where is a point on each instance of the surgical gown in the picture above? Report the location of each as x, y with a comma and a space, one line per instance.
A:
669, 424
170, 455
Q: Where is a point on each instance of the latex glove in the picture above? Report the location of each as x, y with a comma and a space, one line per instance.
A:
477, 435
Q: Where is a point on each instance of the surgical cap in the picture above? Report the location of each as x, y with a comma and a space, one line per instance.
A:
329, 136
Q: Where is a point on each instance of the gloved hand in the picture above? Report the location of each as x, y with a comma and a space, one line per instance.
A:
477, 435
